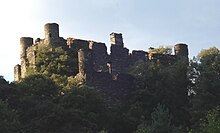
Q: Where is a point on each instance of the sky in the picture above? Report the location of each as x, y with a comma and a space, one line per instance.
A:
143, 23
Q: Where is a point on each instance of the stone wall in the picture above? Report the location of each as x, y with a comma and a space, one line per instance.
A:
137, 55
76, 44
100, 56
164, 59
119, 59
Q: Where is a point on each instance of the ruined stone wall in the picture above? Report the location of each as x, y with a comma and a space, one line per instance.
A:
31, 57
164, 59
115, 91
76, 44
85, 61
85, 64
137, 55
119, 59
99, 52
100, 56
180, 53
119, 56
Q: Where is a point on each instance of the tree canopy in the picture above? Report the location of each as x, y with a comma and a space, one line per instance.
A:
172, 99
161, 50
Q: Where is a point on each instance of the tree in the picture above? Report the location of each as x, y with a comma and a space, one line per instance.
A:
86, 108
161, 122
43, 108
206, 85
4, 88
32, 92
161, 50
78, 110
211, 123
154, 84
9, 122
208, 55
58, 64
57, 61
8, 94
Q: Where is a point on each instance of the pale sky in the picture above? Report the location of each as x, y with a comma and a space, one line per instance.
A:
143, 23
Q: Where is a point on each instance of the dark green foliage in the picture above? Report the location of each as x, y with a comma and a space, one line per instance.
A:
88, 101
5, 88
49, 103
58, 64
34, 92
206, 85
159, 84
2, 81
118, 121
38, 85
9, 122
161, 122
211, 124
42, 108
57, 61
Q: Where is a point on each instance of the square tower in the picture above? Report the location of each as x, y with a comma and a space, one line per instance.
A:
116, 39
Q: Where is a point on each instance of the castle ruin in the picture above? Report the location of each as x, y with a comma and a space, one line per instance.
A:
96, 66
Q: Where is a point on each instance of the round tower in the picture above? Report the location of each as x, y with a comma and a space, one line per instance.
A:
181, 50
25, 42
51, 30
